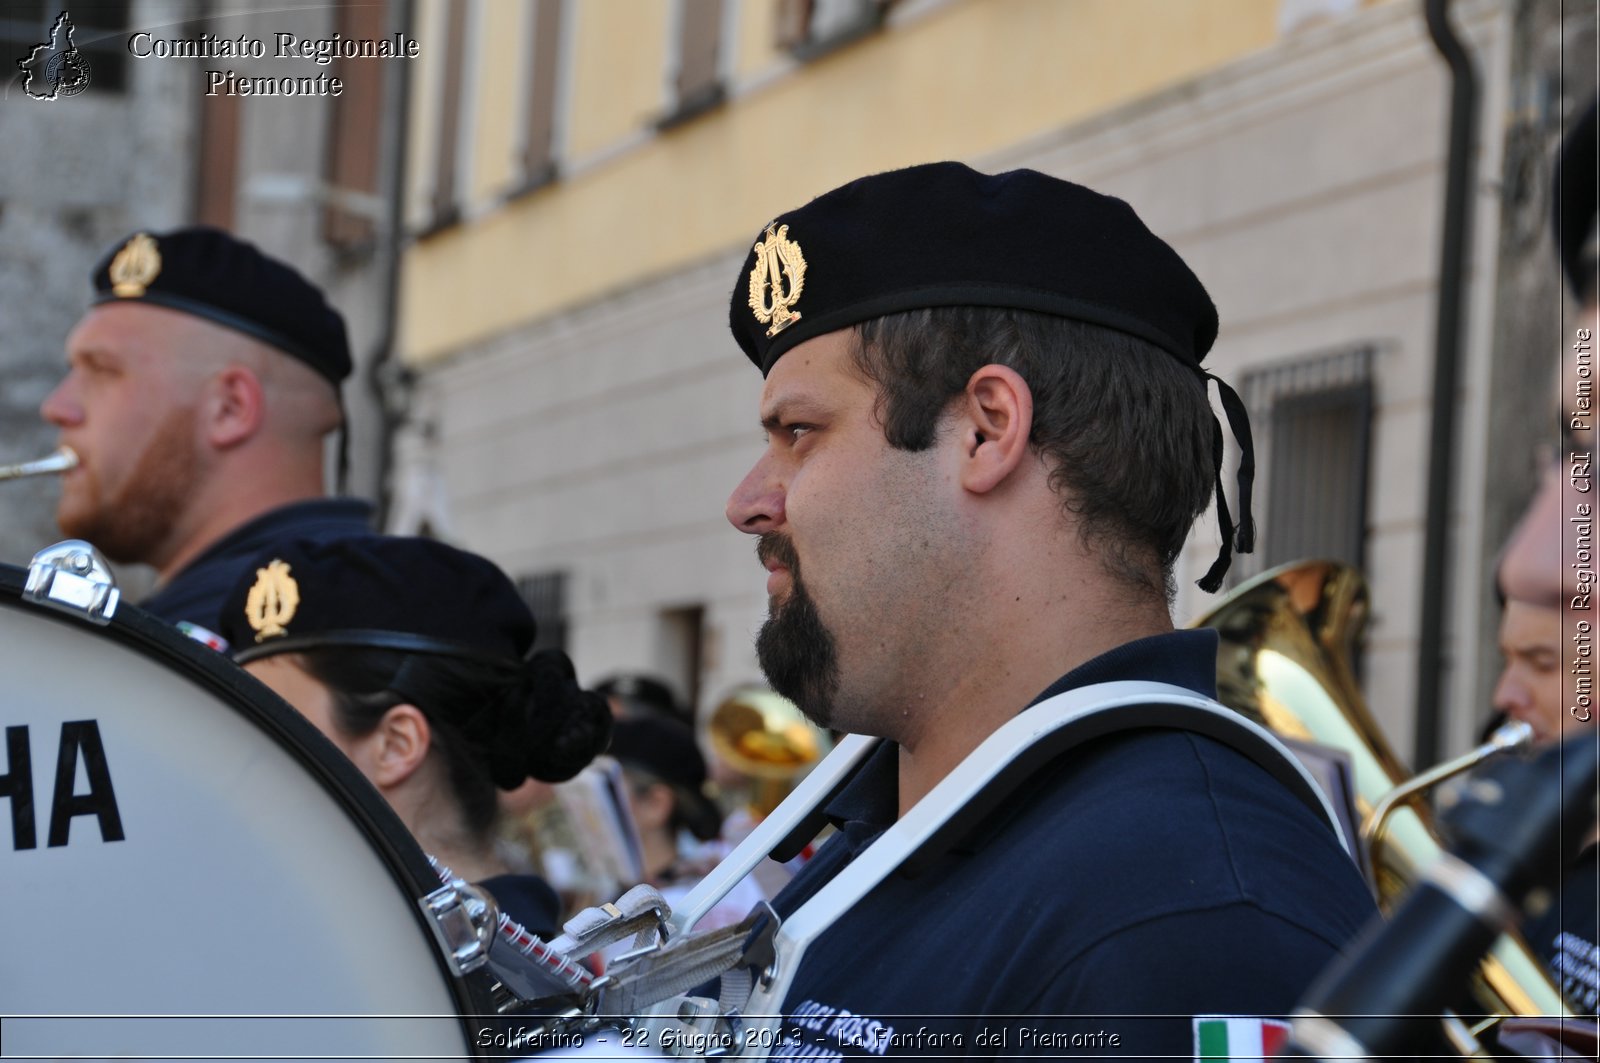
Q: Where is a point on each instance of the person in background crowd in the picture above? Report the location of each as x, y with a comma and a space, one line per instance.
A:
674, 814
634, 695
413, 658
640, 697
1531, 687
200, 387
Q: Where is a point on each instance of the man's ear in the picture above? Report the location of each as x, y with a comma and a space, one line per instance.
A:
996, 421
233, 406
396, 748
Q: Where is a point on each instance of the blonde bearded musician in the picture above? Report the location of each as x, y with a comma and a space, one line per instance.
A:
200, 387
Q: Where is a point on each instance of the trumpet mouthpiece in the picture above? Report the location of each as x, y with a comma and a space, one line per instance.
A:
1513, 734
63, 459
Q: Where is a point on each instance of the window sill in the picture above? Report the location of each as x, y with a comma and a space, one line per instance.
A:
692, 107
544, 177
440, 222
813, 49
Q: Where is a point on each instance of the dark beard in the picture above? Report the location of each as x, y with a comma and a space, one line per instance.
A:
797, 653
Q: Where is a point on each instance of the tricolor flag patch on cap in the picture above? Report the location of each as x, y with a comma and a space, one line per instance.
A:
204, 636
1238, 1037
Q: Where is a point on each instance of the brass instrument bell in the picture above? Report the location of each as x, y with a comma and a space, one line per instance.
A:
1288, 638
764, 735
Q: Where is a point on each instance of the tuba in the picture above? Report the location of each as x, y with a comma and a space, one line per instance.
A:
762, 734
1288, 637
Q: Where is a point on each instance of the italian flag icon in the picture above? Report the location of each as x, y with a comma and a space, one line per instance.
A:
1240, 1038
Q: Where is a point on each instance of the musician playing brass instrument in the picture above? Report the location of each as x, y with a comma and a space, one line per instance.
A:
1550, 624
987, 439
200, 386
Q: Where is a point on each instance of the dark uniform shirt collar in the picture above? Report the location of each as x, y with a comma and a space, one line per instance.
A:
268, 527
1182, 658
869, 802
196, 591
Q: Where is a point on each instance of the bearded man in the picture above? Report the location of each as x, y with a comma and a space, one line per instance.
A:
988, 437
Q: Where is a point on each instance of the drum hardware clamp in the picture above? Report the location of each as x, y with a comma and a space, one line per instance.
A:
72, 577
462, 919
474, 935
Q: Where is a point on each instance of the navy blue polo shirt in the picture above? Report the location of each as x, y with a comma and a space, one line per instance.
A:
1141, 880
197, 591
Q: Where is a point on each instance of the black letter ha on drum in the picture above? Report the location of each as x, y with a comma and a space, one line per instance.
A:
80, 741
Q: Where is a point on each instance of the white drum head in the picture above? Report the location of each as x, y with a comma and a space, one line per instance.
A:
206, 876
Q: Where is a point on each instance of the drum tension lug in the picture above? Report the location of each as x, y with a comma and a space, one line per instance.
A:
72, 577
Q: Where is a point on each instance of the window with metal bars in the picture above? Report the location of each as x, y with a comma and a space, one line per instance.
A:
1312, 421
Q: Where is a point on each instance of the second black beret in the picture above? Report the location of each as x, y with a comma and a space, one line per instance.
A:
384, 592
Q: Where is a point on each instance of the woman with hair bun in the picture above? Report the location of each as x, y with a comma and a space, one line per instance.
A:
414, 659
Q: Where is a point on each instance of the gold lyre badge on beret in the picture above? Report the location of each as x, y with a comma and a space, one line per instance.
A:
136, 265
272, 602
776, 281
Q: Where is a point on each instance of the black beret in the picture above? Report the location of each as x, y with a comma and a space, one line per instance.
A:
388, 592
210, 274
661, 746
643, 693
1576, 200
666, 749
943, 234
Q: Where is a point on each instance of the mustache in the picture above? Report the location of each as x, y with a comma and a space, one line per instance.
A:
776, 546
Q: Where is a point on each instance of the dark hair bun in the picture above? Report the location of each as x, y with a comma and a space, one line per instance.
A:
556, 730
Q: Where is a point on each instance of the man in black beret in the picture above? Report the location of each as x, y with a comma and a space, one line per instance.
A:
988, 437
200, 387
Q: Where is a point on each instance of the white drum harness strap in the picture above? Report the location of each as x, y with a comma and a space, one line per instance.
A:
758, 960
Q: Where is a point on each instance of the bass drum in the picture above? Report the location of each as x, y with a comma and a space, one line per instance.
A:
191, 870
